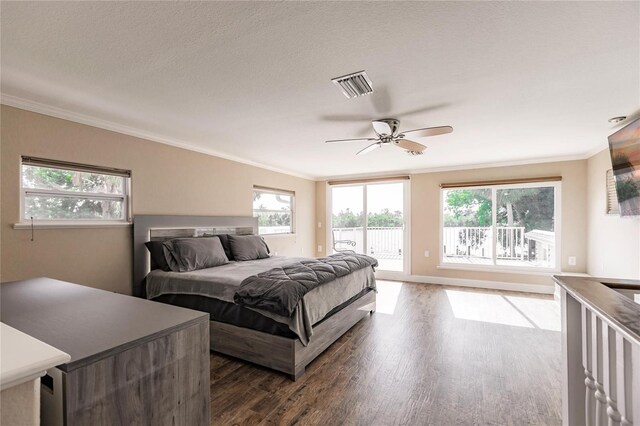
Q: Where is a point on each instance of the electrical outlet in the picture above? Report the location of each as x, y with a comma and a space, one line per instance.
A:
572, 261
426, 253
319, 224
275, 253
319, 249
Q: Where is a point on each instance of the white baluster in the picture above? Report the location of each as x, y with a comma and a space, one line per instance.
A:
623, 367
609, 373
634, 376
589, 382
597, 370
573, 383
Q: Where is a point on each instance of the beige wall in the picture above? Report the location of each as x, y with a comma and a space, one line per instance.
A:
425, 217
165, 180
321, 212
614, 242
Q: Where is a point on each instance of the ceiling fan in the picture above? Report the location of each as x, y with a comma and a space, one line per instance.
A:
387, 132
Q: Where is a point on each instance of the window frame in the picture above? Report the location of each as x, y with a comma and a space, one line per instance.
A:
532, 270
125, 197
276, 191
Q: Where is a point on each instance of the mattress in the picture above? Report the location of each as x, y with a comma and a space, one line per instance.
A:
239, 316
212, 289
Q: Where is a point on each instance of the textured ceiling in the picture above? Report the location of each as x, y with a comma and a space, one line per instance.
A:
518, 81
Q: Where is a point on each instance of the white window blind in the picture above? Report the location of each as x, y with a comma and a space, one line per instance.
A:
612, 197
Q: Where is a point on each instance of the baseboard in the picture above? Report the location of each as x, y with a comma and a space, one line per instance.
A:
462, 282
392, 276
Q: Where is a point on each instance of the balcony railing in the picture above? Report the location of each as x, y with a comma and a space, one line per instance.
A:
386, 241
459, 241
463, 242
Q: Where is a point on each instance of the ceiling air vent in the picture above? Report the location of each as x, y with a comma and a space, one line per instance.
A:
354, 85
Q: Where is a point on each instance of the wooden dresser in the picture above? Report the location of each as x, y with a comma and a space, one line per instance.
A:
133, 361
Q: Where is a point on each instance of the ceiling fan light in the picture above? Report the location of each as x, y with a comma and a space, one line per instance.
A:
616, 120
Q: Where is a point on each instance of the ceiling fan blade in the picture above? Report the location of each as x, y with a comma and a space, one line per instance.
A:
422, 109
351, 140
369, 148
429, 131
410, 145
346, 117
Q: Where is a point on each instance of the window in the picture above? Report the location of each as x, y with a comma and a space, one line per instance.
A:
506, 225
274, 210
56, 191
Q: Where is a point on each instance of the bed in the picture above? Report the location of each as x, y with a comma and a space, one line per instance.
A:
283, 343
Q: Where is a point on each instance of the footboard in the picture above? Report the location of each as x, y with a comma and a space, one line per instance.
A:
284, 354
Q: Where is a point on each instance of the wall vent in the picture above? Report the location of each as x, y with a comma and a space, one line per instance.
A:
354, 84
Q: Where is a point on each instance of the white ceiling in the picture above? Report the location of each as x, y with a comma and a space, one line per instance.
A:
519, 81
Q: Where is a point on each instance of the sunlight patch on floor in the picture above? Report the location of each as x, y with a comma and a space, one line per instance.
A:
543, 313
387, 297
518, 311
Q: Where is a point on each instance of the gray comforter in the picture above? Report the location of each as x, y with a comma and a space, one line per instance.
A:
222, 282
279, 290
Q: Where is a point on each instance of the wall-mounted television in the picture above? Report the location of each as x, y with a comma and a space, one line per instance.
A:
624, 146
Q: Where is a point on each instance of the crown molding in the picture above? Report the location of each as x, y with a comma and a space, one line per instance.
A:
412, 172
595, 151
40, 108
539, 160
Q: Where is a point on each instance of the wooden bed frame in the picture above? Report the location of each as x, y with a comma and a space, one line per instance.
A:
279, 353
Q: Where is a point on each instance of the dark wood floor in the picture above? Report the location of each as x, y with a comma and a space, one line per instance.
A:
444, 356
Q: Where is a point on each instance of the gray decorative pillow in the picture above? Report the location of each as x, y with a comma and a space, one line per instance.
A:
189, 254
156, 249
224, 239
248, 247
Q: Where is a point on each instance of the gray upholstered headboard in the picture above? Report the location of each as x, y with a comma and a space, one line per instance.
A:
146, 227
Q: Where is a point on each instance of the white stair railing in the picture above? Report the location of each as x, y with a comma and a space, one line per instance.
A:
601, 368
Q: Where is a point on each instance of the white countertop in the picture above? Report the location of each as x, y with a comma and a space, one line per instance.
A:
24, 358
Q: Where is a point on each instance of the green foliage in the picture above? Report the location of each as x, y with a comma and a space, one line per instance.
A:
72, 208
384, 219
65, 207
274, 219
347, 219
50, 178
627, 189
532, 208
468, 207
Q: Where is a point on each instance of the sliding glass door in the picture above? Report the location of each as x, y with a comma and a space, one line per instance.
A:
347, 219
370, 218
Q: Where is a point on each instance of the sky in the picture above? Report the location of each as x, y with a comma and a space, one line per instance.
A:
379, 196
